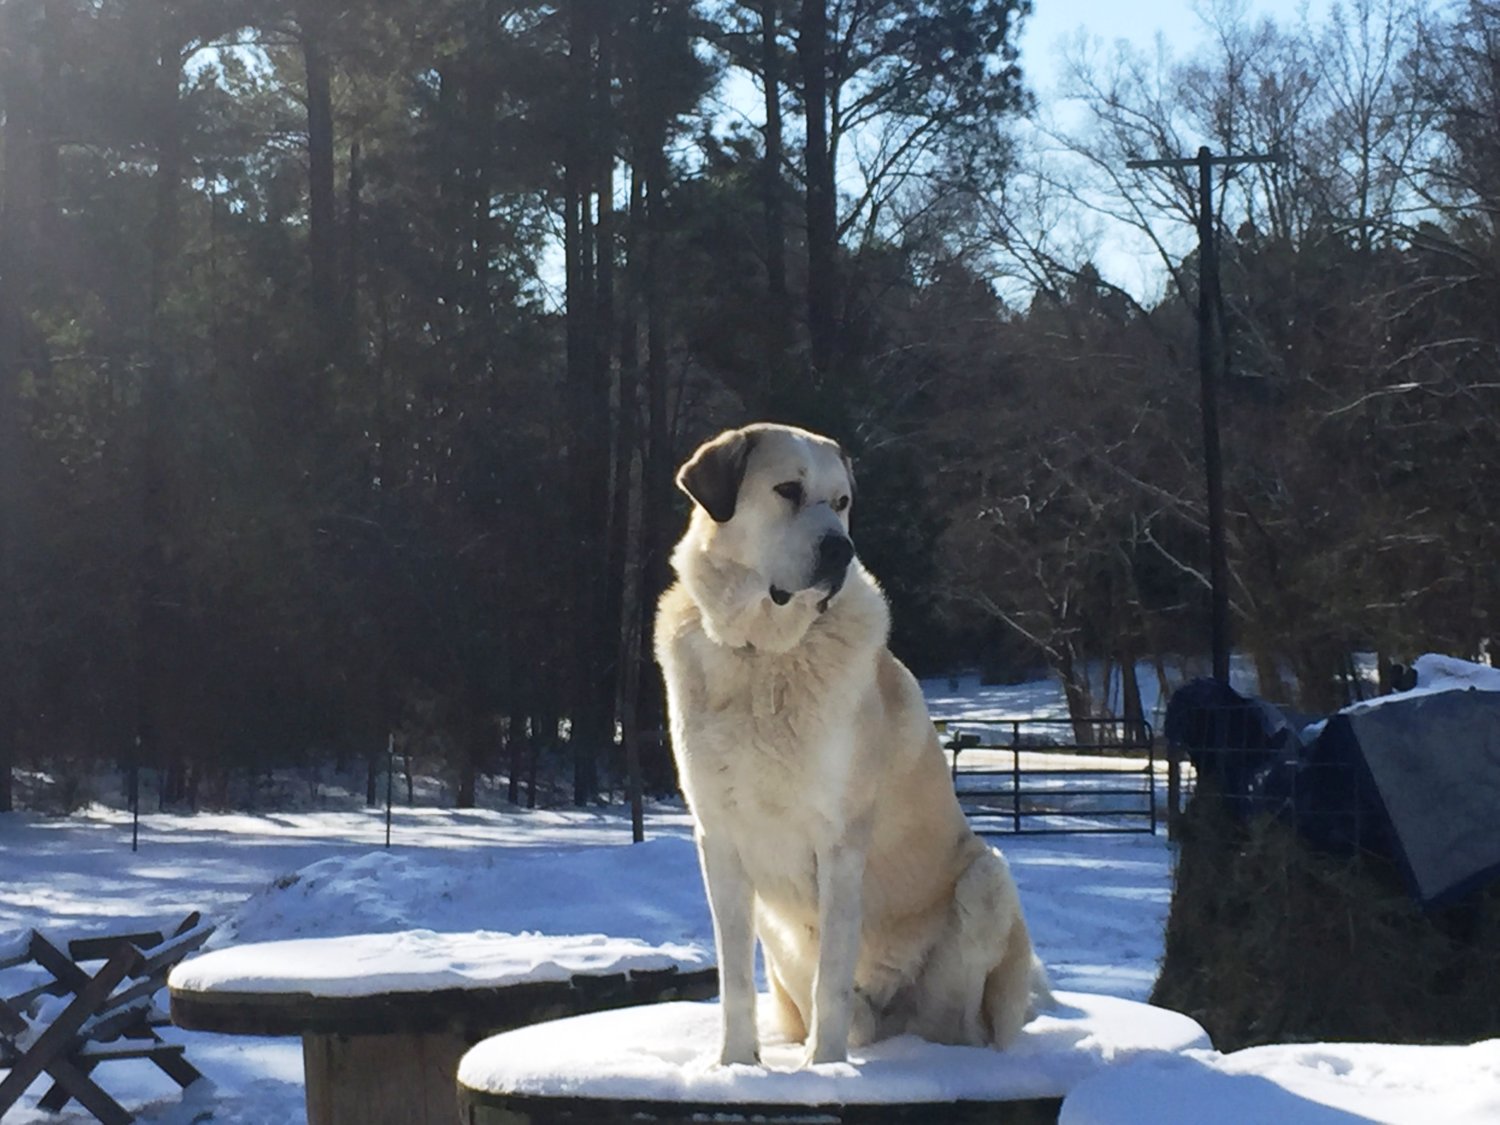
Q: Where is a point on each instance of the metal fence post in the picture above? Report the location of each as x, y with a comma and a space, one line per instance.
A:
1151, 780
1015, 773
1174, 790
390, 769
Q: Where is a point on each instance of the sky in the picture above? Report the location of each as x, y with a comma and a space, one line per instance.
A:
1122, 254
1139, 21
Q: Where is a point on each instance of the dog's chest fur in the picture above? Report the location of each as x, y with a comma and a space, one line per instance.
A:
768, 744
774, 730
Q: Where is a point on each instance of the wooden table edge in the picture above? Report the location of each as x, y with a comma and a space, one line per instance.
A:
479, 1011
483, 1107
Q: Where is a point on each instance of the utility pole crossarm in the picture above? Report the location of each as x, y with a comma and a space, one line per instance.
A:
1190, 161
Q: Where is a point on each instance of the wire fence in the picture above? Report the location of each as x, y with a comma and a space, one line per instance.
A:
1261, 760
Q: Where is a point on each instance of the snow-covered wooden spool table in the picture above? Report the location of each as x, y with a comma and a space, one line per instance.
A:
384, 1018
653, 1064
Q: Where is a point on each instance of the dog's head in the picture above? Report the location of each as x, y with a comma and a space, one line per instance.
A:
776, 501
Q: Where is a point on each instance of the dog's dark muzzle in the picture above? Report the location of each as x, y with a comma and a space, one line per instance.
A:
835, 553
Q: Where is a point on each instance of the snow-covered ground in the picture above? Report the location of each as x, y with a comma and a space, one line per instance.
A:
1096, 905
1297, 1084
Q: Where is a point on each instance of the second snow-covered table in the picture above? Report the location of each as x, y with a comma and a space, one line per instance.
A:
653, 1064
384, 1018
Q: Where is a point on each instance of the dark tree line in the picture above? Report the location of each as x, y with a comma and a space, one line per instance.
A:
1358, 410
347, 351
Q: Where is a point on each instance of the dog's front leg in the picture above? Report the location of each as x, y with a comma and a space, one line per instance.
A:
731, 901
841, 871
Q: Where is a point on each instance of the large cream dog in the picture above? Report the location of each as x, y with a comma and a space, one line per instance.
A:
825, 816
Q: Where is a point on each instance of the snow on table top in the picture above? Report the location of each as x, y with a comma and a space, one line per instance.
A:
1312, 1084
421, 961
664, 1053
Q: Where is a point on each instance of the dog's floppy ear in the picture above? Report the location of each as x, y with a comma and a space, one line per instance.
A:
712, 475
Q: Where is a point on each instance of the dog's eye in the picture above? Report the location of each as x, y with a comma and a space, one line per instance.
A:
791, 490
841, 503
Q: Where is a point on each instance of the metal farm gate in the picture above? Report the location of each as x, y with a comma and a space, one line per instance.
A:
1051, 775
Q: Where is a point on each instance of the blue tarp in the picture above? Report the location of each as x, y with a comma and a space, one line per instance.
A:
1241, 745
1413, 776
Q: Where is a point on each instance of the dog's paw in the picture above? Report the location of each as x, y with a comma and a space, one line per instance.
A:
751, 1058
822, 1056
740, 1054
709, 1061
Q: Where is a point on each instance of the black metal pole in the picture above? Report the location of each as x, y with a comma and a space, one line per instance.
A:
134, 783
390, 770
1209, 361
1015, 774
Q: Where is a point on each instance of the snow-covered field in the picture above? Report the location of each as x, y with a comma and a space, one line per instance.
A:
1096, 905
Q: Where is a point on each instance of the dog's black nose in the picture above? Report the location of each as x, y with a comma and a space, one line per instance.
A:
835, 552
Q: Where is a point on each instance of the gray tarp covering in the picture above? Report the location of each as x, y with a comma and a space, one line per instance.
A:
1435, 763
1413, 776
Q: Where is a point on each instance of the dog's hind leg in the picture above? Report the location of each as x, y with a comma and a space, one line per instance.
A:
788, 1015
1017, 982
975, 986
1008, 988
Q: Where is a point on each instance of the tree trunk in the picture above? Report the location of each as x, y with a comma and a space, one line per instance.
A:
472, 754
349, 315
657, 464
631, 499
1131, 709
1163, 681
771, 175
822, 232
322, 240
153, 637
588, 411
516, 746
619, 400
1320, 666
12, 434
482, 109
35, 40
1354, 687
1076, 690
1384, 673
1268, 682
18, 200
580, 301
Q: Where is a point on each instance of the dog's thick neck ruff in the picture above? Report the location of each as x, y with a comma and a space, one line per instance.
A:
738, 612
